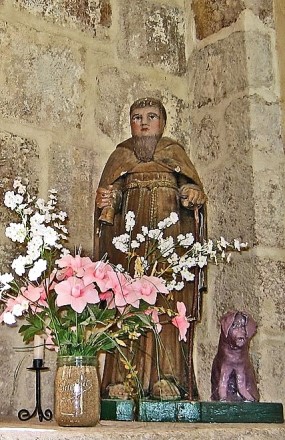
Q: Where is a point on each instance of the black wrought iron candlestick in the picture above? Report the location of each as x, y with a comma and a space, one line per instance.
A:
24, 414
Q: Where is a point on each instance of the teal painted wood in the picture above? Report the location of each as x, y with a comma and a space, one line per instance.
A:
169, 411
241, 412
115, 409
192, 412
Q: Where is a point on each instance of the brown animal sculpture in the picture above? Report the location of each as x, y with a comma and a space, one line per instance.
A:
233, 377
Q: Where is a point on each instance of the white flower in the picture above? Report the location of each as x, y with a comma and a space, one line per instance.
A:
64, 252
185, 240
135, 244
168, 221
140, 238
174, 285
197, 247
62, 215
38, 268
16, 232
48, 217
27, 211
144, 230
50, 236
119, 268
40, 204
190, 262
12, 200
165, 246
122, 242
224, 243
19, 265
173, 258
18, 309
37, 219
202, 261
238, 245
5, 279
187, 275
9, 318
174, 217
38, 229
130, 221
155, 233
34, 247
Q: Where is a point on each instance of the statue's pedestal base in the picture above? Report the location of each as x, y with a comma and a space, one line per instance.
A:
192, 412
116, 409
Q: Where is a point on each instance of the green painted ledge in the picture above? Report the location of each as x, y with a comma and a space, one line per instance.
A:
116, 409
192, 412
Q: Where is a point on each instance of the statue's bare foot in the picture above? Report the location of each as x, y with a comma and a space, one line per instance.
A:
165, 390
118, 391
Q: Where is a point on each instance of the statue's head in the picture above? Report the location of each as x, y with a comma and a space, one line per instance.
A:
147, 117
149, 102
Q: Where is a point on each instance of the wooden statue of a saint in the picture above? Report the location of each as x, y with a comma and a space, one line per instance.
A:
152, 176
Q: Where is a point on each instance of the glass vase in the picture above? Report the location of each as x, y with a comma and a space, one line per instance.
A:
77, 391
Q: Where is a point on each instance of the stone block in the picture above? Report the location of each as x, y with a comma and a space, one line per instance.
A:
228, 186
205, 141
263, 9
272, 380
19, 157
74, 174
93, 17
230, 66
41, 78
235, 288
210, 16
253, 124
154, 35
269, 201
270, 287
259, 60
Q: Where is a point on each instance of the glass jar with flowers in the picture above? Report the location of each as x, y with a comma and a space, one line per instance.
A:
83, 308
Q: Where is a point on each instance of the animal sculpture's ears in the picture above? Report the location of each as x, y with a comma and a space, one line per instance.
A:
250, 325
228, 319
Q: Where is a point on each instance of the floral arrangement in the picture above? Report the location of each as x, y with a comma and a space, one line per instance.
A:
82, 307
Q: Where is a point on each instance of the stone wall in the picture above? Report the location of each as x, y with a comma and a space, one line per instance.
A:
236, 116
69, 71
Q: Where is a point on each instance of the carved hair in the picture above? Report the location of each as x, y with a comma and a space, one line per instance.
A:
149, 102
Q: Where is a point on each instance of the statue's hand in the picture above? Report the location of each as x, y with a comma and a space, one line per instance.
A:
104, 197
191, 196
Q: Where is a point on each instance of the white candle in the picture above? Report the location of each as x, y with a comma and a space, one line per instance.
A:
38, 347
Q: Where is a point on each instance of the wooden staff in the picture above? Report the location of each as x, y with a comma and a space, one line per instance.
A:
194, 314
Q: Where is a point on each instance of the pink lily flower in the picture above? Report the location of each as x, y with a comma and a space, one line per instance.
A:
148, 287
71, 266
98, 273
108, 296
20, 300
36, 295
155, 319
124, 291
180, 321
74, 292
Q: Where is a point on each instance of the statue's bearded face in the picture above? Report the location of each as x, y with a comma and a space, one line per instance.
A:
147, 121
147, 125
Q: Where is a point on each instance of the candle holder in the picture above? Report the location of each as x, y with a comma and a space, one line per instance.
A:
24, 414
